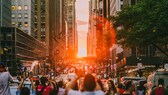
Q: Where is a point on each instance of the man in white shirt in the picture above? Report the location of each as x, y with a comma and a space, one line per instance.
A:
5, 77
90, 86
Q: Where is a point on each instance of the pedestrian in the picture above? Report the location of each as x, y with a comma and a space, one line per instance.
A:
5, 78
22, 90
111, 88
141, 89
101, 84
160, 89
61, 88
69, 80
129, 87
54, 87
121, 86
43, 88
90, 86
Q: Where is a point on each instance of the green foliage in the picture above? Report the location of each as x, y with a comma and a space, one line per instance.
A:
142, 24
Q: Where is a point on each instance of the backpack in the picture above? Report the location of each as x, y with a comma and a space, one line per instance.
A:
159, 91
40, 92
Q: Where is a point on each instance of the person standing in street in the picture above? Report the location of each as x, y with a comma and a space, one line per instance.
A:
111, 88
160, 89
90, 86
5, 77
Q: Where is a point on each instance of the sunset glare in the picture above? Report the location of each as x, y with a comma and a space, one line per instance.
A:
82, 14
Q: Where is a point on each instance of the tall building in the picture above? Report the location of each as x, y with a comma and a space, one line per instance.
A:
23, 15
41, 21
17, 44
91, 36
115, 6
5, 13
72, 33
57, 31
5, 19
99, 10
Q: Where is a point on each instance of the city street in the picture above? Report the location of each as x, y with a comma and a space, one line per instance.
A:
83, 47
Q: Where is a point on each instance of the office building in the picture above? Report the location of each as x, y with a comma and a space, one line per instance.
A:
17, 44
23, 15
5, 13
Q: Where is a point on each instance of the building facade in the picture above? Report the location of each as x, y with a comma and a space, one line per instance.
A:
23, 15
72, 45
5, 17
17, 44
99, 12
115, 6
5, 13
41, 22
91, 35
57, 31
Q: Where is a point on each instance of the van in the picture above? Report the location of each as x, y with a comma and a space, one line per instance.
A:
153, 78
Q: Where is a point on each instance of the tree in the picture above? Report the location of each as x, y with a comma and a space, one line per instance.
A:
142, 24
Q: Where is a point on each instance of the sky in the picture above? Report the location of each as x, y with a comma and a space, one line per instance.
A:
82, 14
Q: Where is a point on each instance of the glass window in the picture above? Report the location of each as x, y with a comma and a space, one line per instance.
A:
19, 24
8, 36
13, 23
26, 15
19, 7
26, 24
13, 8
26, 7
19, 15
26, 31
13, 15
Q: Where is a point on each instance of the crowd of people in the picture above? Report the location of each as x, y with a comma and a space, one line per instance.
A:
82, 84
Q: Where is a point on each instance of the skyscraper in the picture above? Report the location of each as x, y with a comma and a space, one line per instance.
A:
57, 33
23, 15
5, 13
72, 33
96, 36
5, 19
41, 19
91, 36
115, 6
41, 22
